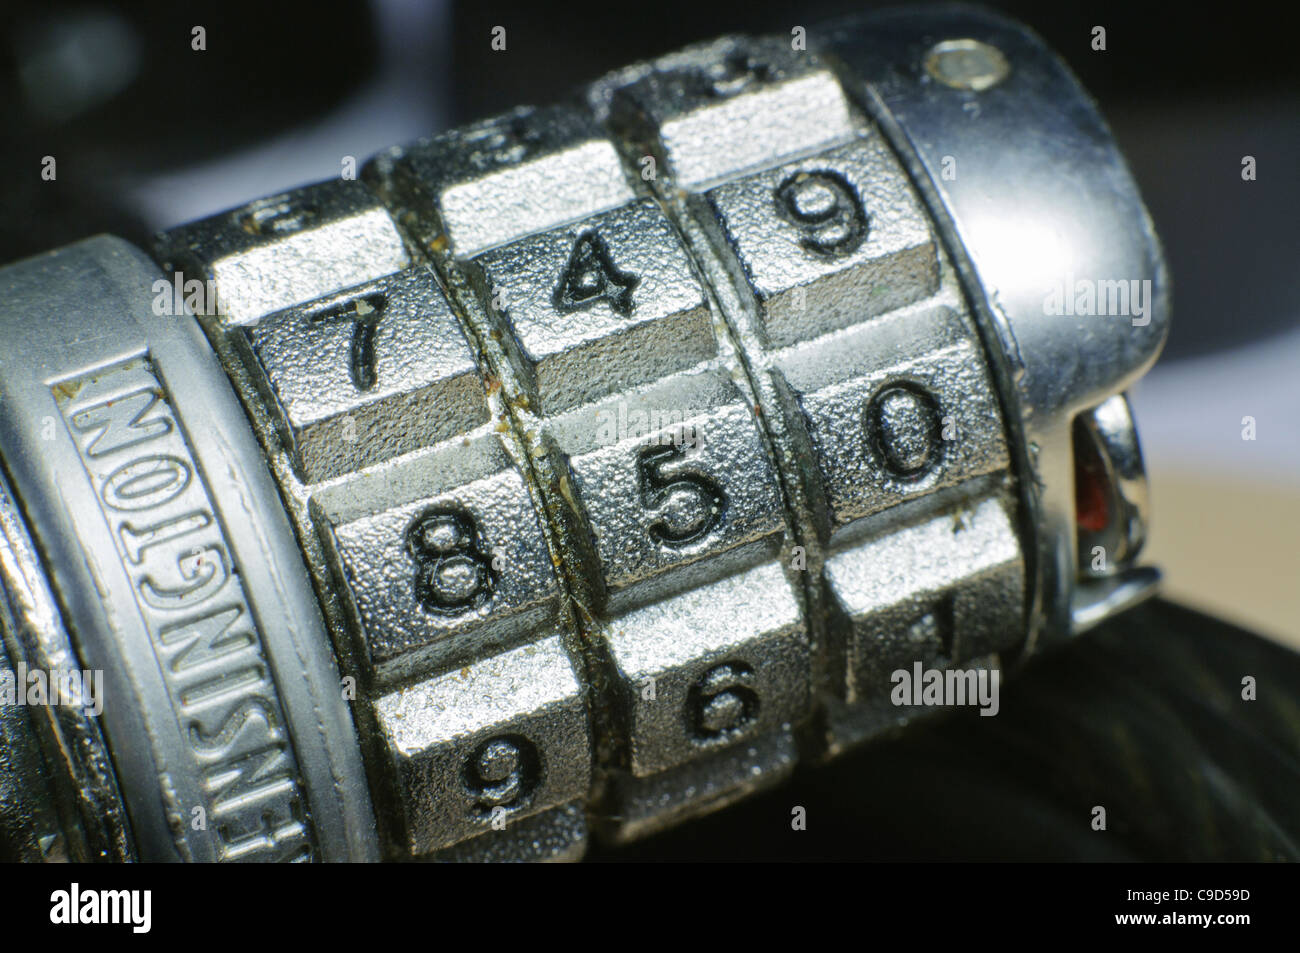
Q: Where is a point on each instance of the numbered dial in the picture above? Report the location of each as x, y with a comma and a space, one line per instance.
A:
634, 438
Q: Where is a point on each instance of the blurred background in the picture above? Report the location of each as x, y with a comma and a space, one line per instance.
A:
149, 132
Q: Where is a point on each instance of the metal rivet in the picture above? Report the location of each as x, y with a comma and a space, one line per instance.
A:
967, 64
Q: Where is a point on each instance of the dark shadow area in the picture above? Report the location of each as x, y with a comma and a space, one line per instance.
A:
1143, 716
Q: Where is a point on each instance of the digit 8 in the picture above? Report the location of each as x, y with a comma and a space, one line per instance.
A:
453, 574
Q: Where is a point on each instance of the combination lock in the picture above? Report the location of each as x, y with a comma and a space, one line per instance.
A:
577, 472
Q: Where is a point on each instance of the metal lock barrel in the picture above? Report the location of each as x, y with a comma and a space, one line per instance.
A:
578, 471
